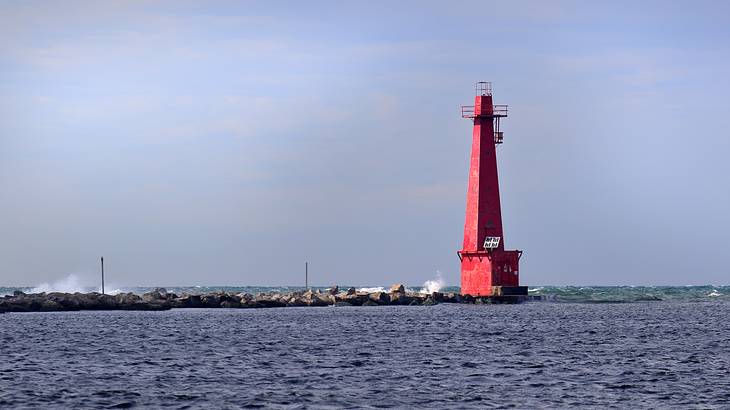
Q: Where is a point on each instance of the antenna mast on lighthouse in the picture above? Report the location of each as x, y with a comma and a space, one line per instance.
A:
487, 269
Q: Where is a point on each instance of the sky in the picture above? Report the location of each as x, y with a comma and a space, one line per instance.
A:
226, 143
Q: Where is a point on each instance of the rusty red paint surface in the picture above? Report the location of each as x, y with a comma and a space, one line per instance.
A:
481, 268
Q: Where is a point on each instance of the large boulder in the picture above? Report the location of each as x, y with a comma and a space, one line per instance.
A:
467, 298
67, 300
230, 304
398, 288
399, 298
21, 304
319, 300
357, 299
103, 302
333, 290
430, 301
87, 301
127, 298
211, 300
48, 305
267, 301
130, 301
296, 301
155, 295
188, 301
381, 298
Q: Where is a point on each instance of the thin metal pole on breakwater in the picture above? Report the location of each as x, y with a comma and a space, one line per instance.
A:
102, 275
306, 275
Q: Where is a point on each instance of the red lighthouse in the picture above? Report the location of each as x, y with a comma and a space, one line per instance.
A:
487, 269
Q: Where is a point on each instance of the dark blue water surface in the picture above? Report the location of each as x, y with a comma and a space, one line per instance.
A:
540, 354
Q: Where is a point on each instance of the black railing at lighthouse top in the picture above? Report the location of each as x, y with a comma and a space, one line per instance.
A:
498, 110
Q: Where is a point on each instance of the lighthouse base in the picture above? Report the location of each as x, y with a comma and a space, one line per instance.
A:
509, 290
491, 273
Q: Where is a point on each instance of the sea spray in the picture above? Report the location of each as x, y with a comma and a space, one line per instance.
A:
69, 284
433, 285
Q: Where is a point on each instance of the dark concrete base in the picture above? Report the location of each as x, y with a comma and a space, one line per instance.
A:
509, 290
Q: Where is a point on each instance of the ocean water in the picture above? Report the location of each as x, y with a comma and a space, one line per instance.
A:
639, 353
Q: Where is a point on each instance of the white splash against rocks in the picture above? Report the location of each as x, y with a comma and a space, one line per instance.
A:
433, 285
372, 289
69, 284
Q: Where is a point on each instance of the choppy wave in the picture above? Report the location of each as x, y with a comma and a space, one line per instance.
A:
537, 355
629, 294
559, 294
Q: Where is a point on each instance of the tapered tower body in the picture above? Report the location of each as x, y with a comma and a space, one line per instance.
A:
487, 269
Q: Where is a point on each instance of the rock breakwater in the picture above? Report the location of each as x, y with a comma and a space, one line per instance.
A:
161, 299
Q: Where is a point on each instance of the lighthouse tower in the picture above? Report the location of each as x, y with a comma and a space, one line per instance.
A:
487, 269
